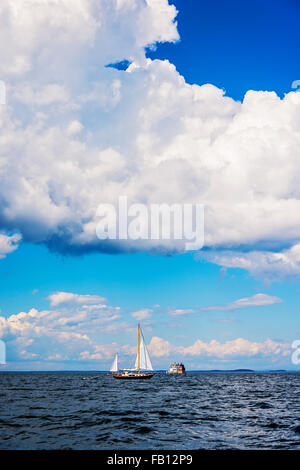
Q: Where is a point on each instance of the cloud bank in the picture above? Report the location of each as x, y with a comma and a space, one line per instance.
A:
78, 331
58, 298
239, 347
75, 134
262, 264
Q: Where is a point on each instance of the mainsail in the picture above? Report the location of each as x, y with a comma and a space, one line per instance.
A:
114, 366
145, 362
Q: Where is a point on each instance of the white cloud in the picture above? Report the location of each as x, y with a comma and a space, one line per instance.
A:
54, 201
239, 347
158, 347
142, 314
44, 96
74, 127
42, 36
8, 244
256, 300
58, 298
262, 264
67, 331
75, 333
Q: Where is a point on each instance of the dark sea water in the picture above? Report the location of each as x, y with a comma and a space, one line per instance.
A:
196, 411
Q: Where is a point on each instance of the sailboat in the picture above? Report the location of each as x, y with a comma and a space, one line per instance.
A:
142, 363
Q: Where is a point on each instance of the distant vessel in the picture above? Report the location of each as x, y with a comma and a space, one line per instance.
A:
176, 368
142, 363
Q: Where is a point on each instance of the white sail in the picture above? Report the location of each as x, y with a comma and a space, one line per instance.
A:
114, 366
145, 362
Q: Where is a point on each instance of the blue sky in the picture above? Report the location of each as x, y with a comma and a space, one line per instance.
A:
189, 304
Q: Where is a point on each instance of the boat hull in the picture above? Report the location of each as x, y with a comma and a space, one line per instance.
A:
133, 377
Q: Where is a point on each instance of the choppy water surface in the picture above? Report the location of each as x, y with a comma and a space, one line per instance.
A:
200, 410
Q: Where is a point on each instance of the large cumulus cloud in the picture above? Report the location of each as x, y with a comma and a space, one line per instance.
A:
75, 134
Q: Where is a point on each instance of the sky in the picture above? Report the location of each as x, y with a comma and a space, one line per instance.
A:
201, 107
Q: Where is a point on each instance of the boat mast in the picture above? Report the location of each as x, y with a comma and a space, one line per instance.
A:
117, 364
139, 347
